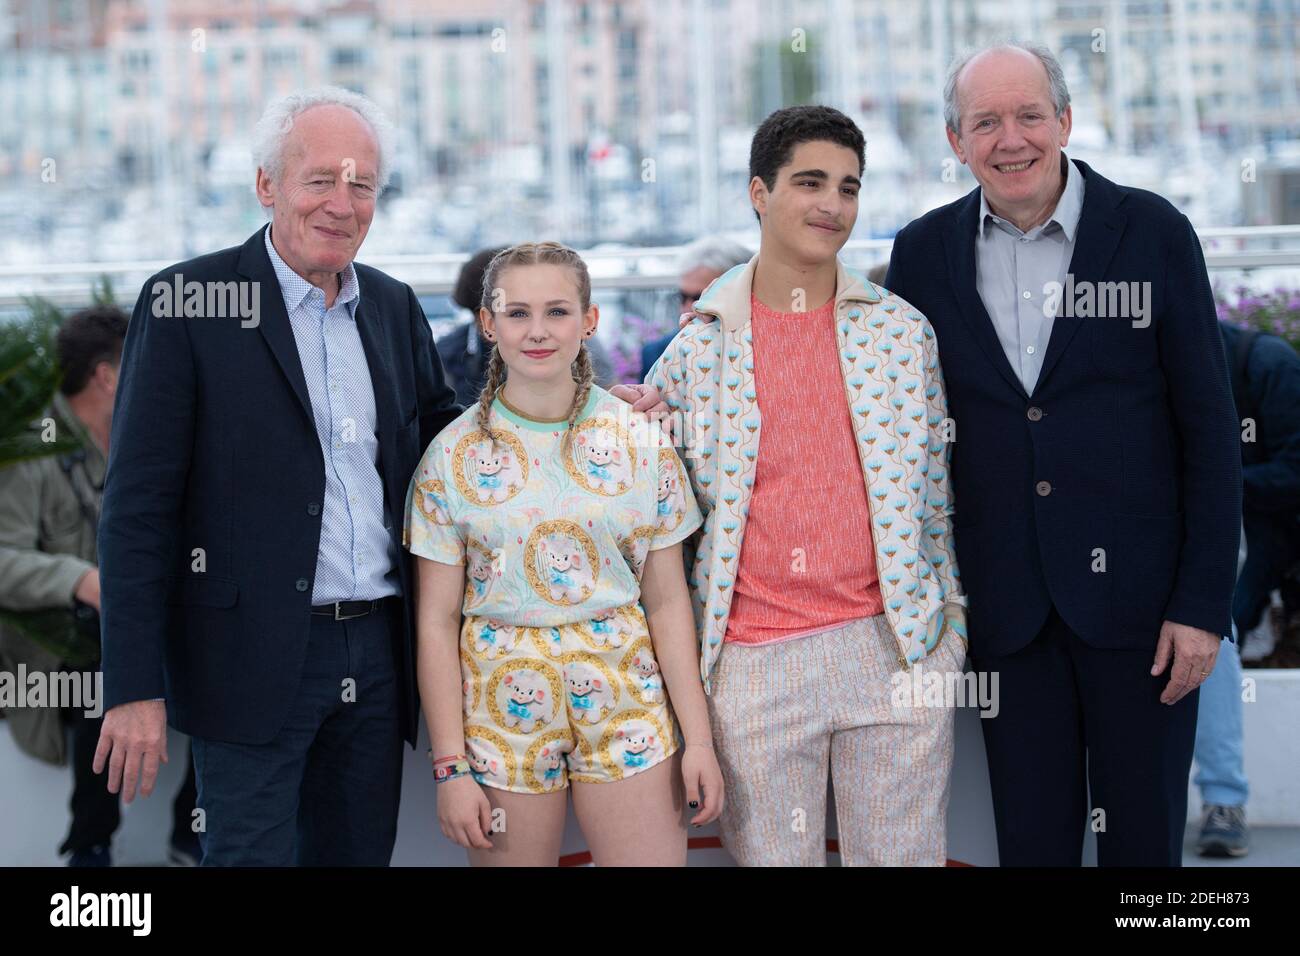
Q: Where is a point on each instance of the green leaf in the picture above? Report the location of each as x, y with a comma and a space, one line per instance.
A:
29, 376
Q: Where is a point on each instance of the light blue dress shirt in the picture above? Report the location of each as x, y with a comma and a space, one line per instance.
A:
1013, 268
357, 560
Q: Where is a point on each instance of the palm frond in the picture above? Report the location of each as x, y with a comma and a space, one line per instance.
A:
102, 292
29, 375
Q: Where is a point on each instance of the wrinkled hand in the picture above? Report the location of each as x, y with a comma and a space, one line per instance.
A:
687, 316
1193, 651
642, 398
634, 394
132, 740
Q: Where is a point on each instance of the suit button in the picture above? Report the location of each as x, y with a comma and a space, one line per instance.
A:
313, 509
1035, 413
301, 584
1044, 488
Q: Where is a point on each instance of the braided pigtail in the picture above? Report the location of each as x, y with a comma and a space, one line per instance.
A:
496, 375
584, 375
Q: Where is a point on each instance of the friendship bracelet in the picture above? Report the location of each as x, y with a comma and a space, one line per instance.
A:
451, 771
450, 758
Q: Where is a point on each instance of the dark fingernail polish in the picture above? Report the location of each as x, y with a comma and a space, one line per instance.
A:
694, 804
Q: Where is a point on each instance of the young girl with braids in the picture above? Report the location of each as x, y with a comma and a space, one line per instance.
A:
556, 641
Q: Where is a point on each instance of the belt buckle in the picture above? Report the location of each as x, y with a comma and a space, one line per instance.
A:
338, 606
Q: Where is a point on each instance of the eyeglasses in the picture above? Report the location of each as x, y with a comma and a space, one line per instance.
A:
688, 298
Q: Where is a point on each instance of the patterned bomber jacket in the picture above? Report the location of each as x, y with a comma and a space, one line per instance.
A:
894, 387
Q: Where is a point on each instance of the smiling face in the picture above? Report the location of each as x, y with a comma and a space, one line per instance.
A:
809, 212
523, 691
559, 559
538, 321
487, 464
324, 199
480, 566
1010, 135
581, 686
667, 485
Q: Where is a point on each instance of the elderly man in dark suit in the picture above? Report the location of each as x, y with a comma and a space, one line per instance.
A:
274, 400
1096, 467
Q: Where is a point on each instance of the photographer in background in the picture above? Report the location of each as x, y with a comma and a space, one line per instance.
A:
1265, 376
49, 510
1265, 373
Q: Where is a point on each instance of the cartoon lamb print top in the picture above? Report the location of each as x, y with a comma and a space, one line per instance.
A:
547, 538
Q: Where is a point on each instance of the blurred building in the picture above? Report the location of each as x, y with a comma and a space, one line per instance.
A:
590, 120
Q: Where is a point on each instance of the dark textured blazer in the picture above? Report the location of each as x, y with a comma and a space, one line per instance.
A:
214, 446
1114, 490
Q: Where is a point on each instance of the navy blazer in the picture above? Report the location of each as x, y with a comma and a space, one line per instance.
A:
214, 447
1114, 490
651, 351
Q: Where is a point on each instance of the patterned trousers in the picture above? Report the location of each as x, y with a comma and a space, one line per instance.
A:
785, 715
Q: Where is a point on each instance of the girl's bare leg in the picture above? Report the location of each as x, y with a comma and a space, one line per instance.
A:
534, 829
637, 821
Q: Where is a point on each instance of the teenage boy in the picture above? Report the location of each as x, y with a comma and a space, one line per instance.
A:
825, 565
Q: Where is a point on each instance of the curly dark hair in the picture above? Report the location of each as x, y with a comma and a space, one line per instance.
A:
778, 135
85, 339
468, 292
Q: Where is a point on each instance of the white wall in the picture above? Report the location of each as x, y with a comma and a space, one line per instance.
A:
34, 815
34, 796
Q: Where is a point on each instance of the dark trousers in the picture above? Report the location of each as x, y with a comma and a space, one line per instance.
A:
324, 791
1073, 718
96, 813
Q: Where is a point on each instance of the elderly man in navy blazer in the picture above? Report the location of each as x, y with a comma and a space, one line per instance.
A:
274, 400
1096, 467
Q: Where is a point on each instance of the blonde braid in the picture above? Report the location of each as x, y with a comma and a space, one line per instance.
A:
584, 375
496, 373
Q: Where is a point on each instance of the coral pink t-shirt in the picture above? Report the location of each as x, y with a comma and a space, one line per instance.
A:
807, 561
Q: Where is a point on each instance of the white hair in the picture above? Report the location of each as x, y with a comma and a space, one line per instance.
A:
277, 120
1060, 93
714, 253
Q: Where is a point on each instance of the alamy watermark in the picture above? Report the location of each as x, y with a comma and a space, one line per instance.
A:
133, 911
208, 300
935, 687
1099, 300
74, 690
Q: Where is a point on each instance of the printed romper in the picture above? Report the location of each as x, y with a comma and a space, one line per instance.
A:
558, 671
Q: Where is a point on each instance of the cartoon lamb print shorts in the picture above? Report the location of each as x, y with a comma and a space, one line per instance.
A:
544, 705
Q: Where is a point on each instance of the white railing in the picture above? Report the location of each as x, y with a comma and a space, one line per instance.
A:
68, 284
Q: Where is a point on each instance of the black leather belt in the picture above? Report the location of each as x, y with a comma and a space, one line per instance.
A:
347, 610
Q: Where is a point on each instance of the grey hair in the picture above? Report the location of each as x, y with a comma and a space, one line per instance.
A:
1055, 76
713, 253
277, 120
